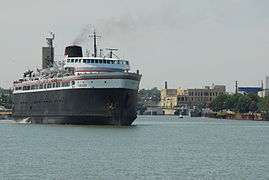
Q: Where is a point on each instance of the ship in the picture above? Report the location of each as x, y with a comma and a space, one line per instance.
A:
96, 89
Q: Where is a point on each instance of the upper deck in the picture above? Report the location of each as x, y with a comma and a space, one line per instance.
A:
96, 64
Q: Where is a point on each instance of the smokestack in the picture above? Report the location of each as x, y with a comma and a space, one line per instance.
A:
236, 87
73, 51
165, 85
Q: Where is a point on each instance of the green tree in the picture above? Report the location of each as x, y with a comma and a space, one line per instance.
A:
148, 97
237, 102
220, 102
263, 104
6, 98
243, 104
263, 107
255, 99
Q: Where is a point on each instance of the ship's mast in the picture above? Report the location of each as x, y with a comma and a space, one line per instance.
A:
94, 36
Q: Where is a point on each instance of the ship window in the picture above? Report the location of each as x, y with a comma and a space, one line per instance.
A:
25, 88
108, 61
118, 62
100, 61
41, 86
104, 61
92, 61
73, 82
84, 60
88, 61
76, 60
58, 84
112, 62
48, 85
127, 62
54, 85
96, 61
79, 60
65, 84
72, 60
68, 60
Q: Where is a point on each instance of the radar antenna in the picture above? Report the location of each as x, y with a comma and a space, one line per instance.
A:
94, 36
111, 50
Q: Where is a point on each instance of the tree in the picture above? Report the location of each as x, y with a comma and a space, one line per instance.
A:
263, 105
237, 103
243, 104
5, 98
255, 99
148, 97
220, 102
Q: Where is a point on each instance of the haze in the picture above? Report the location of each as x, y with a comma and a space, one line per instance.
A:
189, 43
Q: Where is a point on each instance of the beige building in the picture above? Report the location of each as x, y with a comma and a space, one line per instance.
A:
203, 96
176, 98
169, 97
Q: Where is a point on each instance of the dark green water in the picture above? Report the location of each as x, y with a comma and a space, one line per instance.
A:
154, 148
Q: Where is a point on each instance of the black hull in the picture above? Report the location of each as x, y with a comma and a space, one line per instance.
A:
77, 106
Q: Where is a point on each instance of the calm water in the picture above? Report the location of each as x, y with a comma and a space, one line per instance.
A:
154, 148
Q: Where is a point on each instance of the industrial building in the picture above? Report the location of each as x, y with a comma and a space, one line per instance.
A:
173, 99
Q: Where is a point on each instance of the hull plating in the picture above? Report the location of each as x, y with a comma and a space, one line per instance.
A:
78, 106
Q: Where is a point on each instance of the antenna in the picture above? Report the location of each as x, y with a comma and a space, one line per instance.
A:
94, 36
111, 51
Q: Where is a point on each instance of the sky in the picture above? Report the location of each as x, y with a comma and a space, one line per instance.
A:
188, 43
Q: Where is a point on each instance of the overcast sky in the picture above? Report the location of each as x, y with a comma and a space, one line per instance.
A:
189, 43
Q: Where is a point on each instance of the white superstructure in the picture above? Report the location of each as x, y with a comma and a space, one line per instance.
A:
77, 72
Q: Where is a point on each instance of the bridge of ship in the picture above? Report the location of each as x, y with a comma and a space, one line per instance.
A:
83, 64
